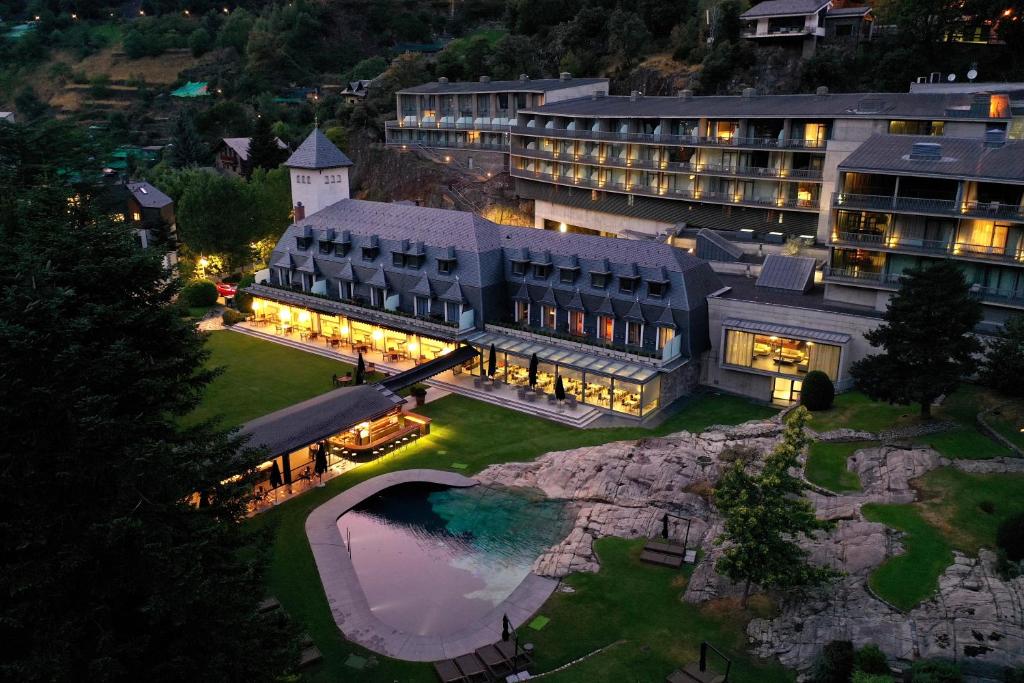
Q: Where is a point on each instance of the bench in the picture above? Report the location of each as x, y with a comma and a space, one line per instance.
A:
663, 559
666, 548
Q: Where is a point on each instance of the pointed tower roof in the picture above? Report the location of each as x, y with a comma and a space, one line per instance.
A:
317, 152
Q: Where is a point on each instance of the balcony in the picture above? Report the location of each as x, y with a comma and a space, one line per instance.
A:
671, 166
867, 278
666, 139
997, 296
447, 144
693, 195
448, 125
937, 207
890, 242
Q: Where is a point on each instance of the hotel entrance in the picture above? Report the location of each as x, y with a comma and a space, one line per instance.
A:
786, 392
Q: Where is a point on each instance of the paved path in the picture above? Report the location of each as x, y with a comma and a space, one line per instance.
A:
350, 608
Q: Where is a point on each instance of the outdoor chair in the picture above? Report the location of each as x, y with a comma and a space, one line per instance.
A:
489, 385
570, 401
516, 661
477, 382
552, 400
521, 394
448, 672
472, 668
531, 397
494, 661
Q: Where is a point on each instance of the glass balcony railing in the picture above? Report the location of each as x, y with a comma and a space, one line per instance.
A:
670, 166
893, 242
940, 207
664, 138
997, 295
654, 191
446, 125
862, 276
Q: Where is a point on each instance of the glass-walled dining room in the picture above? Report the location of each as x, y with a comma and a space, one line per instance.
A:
779, 354
609, 383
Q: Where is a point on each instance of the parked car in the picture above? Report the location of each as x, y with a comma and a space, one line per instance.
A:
226, 289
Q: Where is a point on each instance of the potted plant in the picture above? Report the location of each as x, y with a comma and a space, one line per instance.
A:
419, 392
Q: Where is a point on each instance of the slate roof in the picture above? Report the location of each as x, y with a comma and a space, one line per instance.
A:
919, 105
240, 146
454, 294
787, 330
848, 11
148, 196
961, 158
319, 417
317, 152
530, 85
782, 8
795, 273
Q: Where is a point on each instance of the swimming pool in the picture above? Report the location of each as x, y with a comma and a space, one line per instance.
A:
432, 559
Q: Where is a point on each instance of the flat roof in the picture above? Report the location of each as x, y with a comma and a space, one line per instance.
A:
539, 85
783, 8
923, 105
961, 158
742, 288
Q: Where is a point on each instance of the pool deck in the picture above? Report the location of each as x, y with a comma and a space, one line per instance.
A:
350, 608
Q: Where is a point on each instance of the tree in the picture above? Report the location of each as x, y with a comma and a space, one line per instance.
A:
1003, 365
765, 514
109, 571
927, 339
627, 36
264, 152
187, 148
817, 392
215, 217
200, 42
368, 68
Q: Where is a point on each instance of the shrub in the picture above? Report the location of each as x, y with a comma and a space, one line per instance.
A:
861, 677
243, 301
835, 663
1014, 676
1010, 537
818, 392
931, 671
418, 390
199, 293
987, 506
231, 317
871, 660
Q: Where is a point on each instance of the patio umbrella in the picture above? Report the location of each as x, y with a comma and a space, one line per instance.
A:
320, 465
275, 476
360, 370
506, 626
559, 389
492, 362
533, 370
664, 527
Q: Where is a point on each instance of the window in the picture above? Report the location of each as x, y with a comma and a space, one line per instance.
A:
452, 312
370, 253
567, 275
665, 335
541, 271
780, 355
398, 259
377, 296
627, 285
656, 290
303, 243
422, 306
136, 216
522, 312
345, 289
325, 247
413, 261
445, 266
576, 322
598, 280
605, 327
549, 317
634, 333
519, 268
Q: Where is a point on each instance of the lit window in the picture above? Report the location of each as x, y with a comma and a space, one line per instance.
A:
634, 334
523, 312
605, 327
665, 335
136, 216
576, 322
549, 318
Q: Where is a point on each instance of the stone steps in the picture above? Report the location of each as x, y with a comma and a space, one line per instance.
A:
580, 418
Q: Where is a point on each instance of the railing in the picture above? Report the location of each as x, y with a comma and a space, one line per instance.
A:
942, 207
448, 125
887, 280
587, 344
694, 195
943, 247
664, 138
669, 166
996, 295
448, 144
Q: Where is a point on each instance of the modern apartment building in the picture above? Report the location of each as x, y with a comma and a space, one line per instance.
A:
470, 121
904, 201
762, 168
800, 24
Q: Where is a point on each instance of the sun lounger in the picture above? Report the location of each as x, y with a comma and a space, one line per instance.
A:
665, 560
666, 548
310, 656
507, 650
495, 662
448, 672
472, 668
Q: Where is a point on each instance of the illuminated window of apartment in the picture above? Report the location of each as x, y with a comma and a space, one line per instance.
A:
780, 355
549, 317
136, 216
999, 107
522, 312
605, 327
634, 333
665, 335
576, 322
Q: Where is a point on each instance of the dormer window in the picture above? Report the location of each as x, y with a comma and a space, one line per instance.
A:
341, 248
445, 266
656, 289
598, 280
326, 247
303, 242
627, 284
541, 271
370, 253
567, 276
519, 267
413, 261
398, 259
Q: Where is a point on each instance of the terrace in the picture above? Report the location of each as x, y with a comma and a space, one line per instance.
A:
936, 207
664, 138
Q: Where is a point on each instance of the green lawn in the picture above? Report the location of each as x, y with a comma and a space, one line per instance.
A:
854, 410
477, 434
826, 465
260, 377
907, 579
967, 508
640, 604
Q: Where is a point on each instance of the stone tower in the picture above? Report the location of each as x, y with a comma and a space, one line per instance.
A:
319, 175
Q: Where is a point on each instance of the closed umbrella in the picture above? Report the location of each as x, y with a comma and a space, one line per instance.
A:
360, 370
492, 362
664, 527
533, 371
505, 627
559, 389
275, 476
320, 466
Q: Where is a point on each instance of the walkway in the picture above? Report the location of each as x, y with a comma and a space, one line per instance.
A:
501, 395
350, 608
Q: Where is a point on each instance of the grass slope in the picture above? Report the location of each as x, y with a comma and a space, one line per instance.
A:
967, 508
826, 465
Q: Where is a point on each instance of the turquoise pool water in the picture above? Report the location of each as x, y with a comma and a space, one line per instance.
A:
431, 560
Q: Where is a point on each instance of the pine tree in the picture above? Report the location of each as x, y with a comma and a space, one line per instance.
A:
264, 151
765, 514
1003, 366
108, 570
927, 340
187, 147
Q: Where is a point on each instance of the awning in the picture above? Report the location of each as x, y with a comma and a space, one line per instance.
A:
787, 331
427, 370
569, 358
